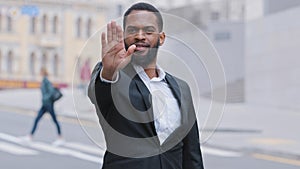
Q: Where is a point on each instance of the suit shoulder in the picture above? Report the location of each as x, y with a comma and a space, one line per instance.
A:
177, 79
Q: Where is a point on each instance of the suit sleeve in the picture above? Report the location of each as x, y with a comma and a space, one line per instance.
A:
100, 92
192, 156
91, 87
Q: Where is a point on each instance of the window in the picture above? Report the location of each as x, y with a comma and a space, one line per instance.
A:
0, 22
33, 25
0, 61
54, 25
196, 18
32, 64
9, 23
89, 27
220, 36
215, 16
119, 10
55, 65
44, 24
44, 60
78, 26
10, 62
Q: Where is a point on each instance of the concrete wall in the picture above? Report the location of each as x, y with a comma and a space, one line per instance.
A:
186, 45
272, 69
229, 38
273, 6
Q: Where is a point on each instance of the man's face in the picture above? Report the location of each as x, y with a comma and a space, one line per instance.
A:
141, 29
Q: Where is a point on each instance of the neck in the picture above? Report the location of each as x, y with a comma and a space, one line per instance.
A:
151, 71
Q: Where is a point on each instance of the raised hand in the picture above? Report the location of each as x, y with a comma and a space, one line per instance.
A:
114, 55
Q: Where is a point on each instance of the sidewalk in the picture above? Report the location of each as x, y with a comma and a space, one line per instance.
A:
259, 129
74, 103
244, 128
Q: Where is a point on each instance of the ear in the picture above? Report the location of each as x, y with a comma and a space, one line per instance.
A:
162, 37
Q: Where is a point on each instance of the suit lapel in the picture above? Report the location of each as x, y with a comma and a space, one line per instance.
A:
144, 91
174, 87
179, 94
142, 88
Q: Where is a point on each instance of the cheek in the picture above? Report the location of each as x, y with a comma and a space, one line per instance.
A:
155, 42
128, 40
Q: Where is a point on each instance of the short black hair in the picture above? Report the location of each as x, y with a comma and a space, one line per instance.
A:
142, 6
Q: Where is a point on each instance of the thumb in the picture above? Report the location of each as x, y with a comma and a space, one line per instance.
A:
130, 50
127, 57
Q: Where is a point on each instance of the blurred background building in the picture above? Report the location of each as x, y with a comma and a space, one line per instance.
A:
251, 36
46, 33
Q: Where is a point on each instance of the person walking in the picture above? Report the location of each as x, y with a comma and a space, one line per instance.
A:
146, 114
47, 90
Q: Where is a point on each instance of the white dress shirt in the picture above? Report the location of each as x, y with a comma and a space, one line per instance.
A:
167, 116
166, 110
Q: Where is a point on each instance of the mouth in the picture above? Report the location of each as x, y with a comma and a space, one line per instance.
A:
141, 46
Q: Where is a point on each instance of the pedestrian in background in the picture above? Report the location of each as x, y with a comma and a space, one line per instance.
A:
47, 90
85, 75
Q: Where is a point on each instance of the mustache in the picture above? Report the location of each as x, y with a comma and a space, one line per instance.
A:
140, 44
137, 44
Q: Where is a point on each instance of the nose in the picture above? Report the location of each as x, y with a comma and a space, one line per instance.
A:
140, 35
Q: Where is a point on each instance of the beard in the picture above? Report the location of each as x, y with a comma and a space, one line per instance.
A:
147, 59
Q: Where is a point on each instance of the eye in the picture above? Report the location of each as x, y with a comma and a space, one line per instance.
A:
149, 30
131, 30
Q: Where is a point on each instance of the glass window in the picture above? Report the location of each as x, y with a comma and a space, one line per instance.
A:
78, 27
55, 65
33, 25
44, 60
32, 64
0, 61
219, 36
89, 27
0, 22
9, 23
215, 16
54, 25
119, 9
44, 24
10, 62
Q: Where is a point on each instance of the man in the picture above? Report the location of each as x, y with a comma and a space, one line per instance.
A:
146, 114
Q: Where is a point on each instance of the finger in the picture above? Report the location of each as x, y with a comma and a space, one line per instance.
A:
103, 40
114, 30
130, 50
120, 34
103, 43
109, 33
125, 62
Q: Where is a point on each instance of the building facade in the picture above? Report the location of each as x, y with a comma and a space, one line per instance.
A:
45, 33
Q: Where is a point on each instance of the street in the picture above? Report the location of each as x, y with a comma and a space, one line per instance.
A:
77, 152
80, 152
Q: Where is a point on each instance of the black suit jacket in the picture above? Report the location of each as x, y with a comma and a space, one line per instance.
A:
126, 117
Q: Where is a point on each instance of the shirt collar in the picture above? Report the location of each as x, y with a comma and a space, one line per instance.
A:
141, 72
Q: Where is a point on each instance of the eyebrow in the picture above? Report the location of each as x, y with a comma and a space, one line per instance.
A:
130, 26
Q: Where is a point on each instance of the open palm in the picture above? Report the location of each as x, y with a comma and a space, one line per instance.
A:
114, 55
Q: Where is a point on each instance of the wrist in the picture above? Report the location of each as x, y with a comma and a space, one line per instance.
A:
107, 74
